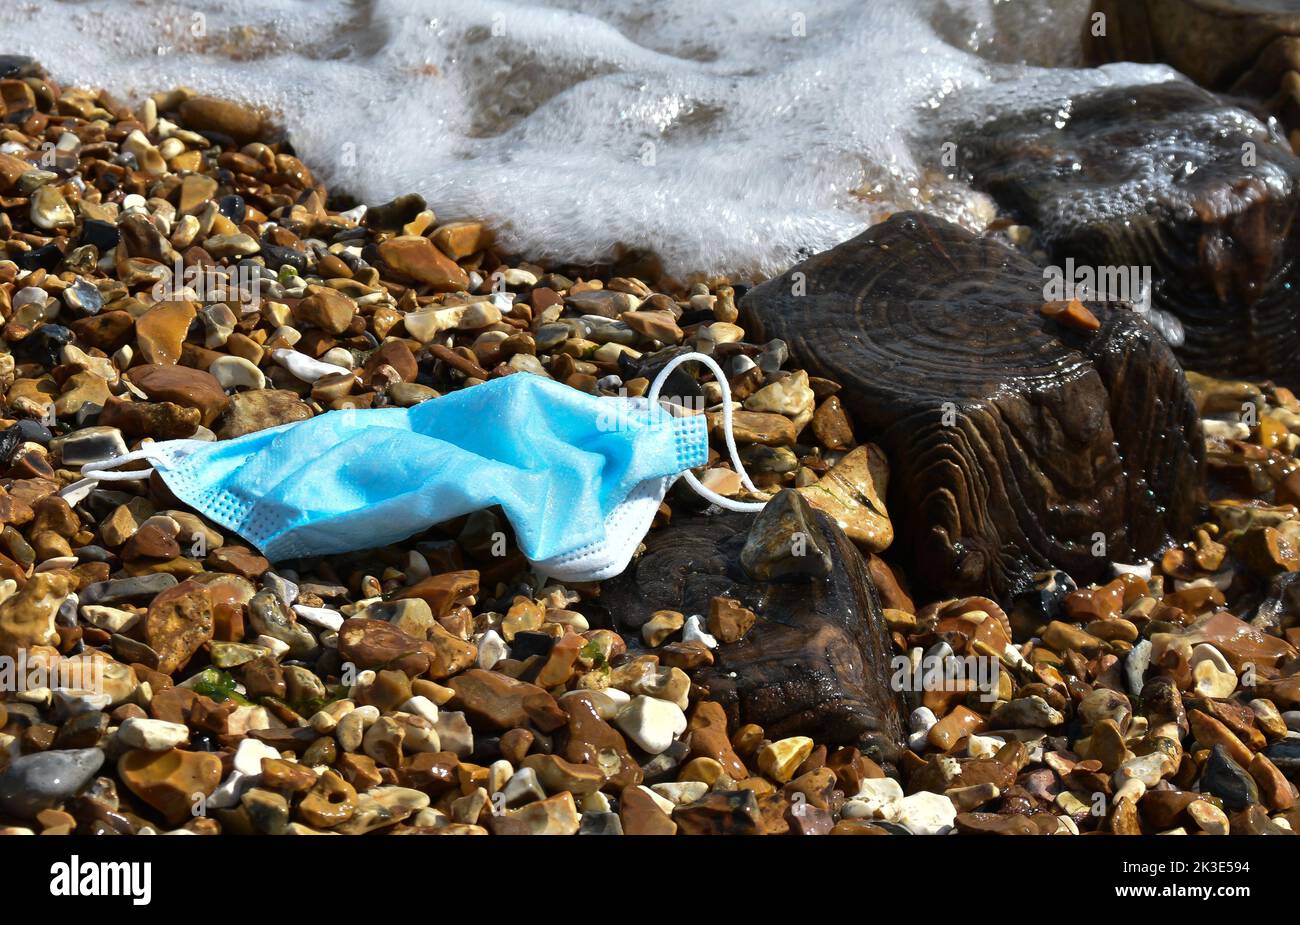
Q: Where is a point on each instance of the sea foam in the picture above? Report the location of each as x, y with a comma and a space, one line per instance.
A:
726, 137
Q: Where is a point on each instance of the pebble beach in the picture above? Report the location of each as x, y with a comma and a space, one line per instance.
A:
172, 269
434, 688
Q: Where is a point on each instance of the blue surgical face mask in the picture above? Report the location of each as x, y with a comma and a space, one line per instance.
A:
579, 477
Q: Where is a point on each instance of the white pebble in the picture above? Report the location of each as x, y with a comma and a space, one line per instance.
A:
927, 813
877, 798
491, 649
249, 755
978, 746
237, 373
278, 647
1141, 569
922, 719
693, 631
1135, 666
679, 793
652, 723
421, 706
338, 356
321, 616
1213, 677
152, 735
306, 368
228, 792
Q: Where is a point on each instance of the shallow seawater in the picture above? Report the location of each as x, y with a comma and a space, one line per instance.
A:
725, 137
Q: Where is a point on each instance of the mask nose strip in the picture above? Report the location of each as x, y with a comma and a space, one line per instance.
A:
727, 432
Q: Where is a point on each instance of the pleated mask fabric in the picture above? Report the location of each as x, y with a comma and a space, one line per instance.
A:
579, 477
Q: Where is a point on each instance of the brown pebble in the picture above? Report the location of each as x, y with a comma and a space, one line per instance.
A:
1073, 313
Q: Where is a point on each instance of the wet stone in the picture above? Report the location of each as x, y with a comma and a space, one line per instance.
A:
179, 621
784, 543
641, 814
721, 813
850, 494
170, 781
27, 618
270, 616
90, 444
250, 412
181, 385
416, 258
32, 783
593, 823
1227, 780
503, 703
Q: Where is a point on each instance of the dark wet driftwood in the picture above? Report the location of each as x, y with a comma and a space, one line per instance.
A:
1247, 48
1175, 179
816, 662
1016, 443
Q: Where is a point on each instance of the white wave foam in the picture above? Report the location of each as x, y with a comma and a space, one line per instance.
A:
726, 137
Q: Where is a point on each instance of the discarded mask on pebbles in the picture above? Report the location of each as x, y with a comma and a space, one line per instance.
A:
438, 685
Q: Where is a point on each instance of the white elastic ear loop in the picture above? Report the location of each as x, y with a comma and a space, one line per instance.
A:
727, 433
99, 470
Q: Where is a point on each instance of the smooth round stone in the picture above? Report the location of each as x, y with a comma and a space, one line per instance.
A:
29, 295
44, 780
921, 719
231, 245
233, 207
1214, 677
651, 723
237, 373
608, 703
33, 431
1208, 817
340, 357
1105, 704
406, 394
277, 256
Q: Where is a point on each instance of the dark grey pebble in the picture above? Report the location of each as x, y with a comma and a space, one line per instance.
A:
44, 780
